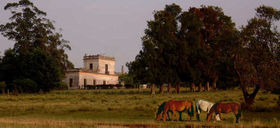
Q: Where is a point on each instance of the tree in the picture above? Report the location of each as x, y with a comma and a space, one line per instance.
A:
256, 60
3, 86
126, 79
182, 46
38, 53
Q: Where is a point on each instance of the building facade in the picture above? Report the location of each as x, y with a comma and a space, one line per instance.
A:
97, 70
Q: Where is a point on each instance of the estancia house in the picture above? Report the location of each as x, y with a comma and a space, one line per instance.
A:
97, 70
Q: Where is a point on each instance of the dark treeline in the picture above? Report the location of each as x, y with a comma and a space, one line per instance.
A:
203, 48
38, 61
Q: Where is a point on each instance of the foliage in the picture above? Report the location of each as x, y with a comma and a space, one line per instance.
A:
127, 79
35, 65
25, 85
256, 60
186, 46
38, 53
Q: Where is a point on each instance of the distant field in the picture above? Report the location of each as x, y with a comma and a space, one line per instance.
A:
123, 108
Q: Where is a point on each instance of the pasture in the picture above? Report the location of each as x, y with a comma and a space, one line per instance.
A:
124, 108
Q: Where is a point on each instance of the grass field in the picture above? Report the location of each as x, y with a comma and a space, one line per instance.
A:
123, 108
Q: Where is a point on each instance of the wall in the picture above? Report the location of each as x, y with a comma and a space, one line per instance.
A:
111, 66
90, 77
75, 77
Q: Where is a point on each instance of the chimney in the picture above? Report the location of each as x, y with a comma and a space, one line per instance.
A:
122, 69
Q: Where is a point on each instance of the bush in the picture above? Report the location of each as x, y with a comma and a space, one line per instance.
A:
25, 85
62, 86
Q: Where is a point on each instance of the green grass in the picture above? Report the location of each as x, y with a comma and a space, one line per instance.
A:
118, 108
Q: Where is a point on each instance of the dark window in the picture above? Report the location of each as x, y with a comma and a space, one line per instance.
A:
71, 82
90, 66
104, 82
106, 69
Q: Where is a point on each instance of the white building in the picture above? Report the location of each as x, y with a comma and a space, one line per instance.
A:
97, 70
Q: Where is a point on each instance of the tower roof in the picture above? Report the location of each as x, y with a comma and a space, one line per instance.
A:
98, 56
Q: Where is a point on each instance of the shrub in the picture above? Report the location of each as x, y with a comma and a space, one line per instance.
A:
25, 85
62, 86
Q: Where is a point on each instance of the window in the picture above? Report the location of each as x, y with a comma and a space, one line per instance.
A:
104, 82
106, 69
90, 66
71, 82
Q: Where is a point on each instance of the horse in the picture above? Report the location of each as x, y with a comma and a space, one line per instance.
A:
160, 111
179, 106
219, 108
203, 105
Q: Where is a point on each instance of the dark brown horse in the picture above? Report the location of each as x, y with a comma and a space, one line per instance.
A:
178, 106
219, 108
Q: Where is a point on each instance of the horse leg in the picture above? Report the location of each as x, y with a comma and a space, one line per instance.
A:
220, 115
168, 116
237, 115
175, 115
165, 113
209, 116
180, 116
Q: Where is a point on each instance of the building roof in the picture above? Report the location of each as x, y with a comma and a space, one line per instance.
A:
98, 56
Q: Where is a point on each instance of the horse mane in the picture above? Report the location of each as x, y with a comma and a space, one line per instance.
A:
161, 108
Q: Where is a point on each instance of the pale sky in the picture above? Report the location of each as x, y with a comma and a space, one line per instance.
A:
115, 27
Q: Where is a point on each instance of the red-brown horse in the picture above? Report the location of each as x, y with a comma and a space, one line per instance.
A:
179, 106
219, 108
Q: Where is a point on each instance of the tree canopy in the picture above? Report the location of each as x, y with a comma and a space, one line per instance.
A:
202, 46
38, 54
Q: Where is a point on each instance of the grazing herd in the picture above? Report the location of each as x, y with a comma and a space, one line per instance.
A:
174, 106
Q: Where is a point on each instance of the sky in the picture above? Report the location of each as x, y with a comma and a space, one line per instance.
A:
115, 27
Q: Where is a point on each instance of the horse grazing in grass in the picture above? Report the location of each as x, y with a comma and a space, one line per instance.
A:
160, 111
219, 108
203, 105
179, 106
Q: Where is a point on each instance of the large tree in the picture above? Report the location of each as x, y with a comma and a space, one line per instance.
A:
39, 51
256, 59
185, 46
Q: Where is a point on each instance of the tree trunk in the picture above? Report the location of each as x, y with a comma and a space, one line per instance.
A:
193, 87
153, 89
169, 91
161, 89
207, 86
200, 87
214, 84
177, 88
249, 98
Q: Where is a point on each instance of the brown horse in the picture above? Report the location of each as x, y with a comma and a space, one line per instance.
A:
179, 106
219, 108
